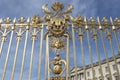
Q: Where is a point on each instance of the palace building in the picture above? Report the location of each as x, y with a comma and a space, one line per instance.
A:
97, 73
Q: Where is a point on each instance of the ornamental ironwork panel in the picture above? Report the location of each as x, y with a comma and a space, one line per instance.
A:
59, 34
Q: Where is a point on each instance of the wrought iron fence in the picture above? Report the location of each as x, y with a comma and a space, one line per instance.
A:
58, 28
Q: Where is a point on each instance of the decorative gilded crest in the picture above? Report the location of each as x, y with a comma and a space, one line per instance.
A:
57, 6
57, 19
57, 9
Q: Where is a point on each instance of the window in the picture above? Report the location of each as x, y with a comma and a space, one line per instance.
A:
108, 78
88, 73
99, 70
119, 62
106, 69
94, 72
116, 77
114, 67
81, 75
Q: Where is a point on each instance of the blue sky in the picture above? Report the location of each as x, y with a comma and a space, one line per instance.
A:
28, 8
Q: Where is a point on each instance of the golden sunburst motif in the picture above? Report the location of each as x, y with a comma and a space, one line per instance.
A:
57, 43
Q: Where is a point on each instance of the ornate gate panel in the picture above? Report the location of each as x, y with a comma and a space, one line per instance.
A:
60, 34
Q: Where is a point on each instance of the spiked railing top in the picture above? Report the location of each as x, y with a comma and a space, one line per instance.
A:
77, 21
59, 17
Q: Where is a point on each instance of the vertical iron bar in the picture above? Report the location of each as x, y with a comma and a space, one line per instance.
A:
1, 46
116, 38
31, 59
16, 54
46, 62
8, 53
15, 59
48, 57
24, 53
110, 40
90, 50
2, 42
114, 30
40, 54
106, 54
82, 51
104, 47
113, 54
74, 48
99, 59
67, 59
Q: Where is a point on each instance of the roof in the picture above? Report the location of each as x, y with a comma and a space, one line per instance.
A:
97, 63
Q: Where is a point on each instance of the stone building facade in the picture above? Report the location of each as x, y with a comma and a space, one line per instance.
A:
97, 70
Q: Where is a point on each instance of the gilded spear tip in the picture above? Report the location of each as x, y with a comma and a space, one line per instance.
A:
111, 20
14, 20
28, 20
1, 20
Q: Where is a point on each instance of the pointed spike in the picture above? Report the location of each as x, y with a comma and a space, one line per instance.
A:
98, 19
14, 20
111, 20
1, 20
28, 20
85, 20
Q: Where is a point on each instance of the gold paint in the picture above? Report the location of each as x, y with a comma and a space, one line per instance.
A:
24, 52
74, 48
57, 43
113, 54
57, 62
82, 51
33, 38
57, 21
67, 60
19, 37
57, 6
40, 55
90, 50
7, 57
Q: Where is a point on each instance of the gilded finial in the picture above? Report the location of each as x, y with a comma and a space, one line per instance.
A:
57, 6
105, 21
117, 20
7, 20
21, 20
36, 19
92, 20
